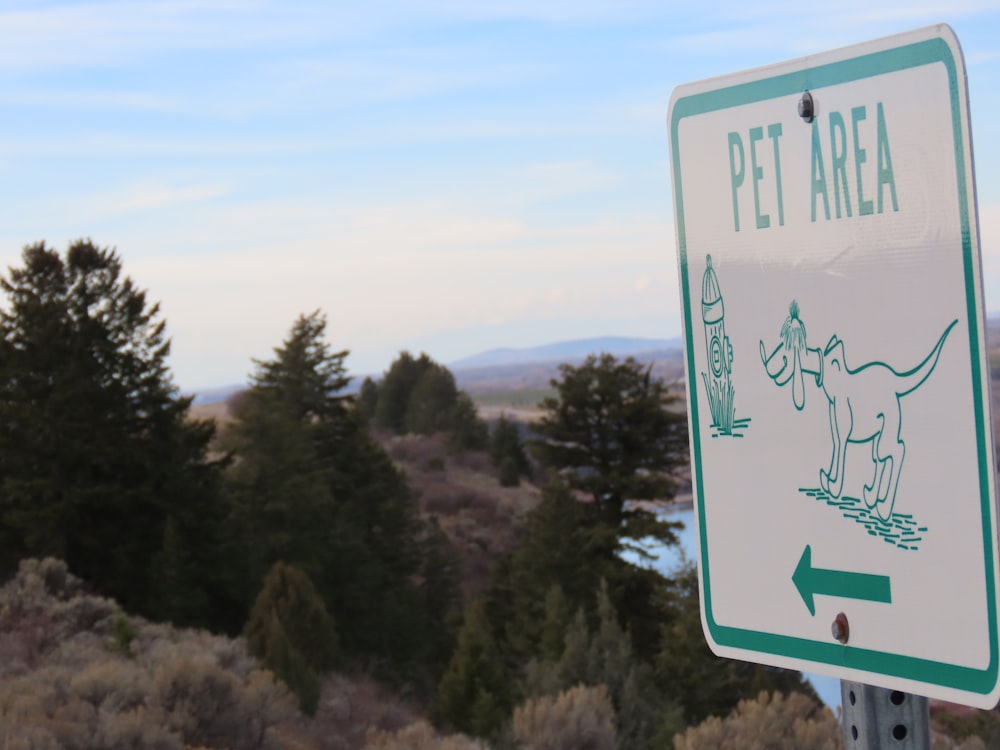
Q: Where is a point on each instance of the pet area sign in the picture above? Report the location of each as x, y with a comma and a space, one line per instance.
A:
837, 379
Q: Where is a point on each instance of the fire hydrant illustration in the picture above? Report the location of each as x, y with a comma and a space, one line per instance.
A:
718, 382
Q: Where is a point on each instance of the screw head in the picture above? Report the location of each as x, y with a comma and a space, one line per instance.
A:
840, 629
807, 108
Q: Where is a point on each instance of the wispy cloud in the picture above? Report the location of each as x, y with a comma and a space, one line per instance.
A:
106, 33
147, 195
87, 99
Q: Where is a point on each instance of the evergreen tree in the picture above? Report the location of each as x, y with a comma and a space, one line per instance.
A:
96, 451
368, 400
396, 388
467, 431
310, 486
279, 488
562, 547
178, 597
442, 574
506, 443
289, 427
701, 683
508, 474
555, 624
419, 396
605, 656
291, 632
475, 694
613, 434
431, 401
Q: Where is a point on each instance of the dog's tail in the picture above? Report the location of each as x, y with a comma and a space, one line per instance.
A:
913, 379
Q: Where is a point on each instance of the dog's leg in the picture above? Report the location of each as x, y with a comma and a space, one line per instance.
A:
832, 480
872, 492
893, 450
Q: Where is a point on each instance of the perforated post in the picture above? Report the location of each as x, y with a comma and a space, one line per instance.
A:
880, 719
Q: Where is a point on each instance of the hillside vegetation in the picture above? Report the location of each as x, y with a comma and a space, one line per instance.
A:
316, 569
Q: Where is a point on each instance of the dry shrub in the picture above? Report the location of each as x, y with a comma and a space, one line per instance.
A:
451, 500
475, 461
349, 706
115, 686
580, 718
942, 742
135, 730
44, 604
771, 722
65, 687
419, 736
198, 700
416, 450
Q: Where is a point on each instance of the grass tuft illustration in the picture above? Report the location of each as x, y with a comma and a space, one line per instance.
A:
721, 403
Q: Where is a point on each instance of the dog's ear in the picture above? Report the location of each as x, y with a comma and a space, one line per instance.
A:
831, 344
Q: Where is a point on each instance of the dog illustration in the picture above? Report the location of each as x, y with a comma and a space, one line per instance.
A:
864, 404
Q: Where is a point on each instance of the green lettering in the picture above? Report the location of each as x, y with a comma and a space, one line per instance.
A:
860, 157
736, 146
838, 161
774, 132
763, 220
884, 159
818, 181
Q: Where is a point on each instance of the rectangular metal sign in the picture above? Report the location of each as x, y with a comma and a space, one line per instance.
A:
838, 384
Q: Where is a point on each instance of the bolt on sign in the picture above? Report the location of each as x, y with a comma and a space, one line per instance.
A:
838, 383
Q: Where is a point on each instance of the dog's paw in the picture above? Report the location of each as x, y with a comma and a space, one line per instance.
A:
884, 509
870, 496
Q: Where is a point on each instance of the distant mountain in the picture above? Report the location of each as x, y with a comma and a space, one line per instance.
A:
521, 367
619, 346
215, 395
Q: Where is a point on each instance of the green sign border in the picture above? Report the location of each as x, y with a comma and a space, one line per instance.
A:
927, 52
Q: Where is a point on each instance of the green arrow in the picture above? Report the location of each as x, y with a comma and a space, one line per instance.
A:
811, 581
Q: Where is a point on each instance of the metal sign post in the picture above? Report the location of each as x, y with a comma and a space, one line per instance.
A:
838, 382
875, 718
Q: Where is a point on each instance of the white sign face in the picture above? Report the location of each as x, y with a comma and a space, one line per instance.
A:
838, 386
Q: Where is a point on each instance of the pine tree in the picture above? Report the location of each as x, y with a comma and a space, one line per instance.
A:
96, 451
613, 433
291, 632
442, 575
701, 683
178, 597
396, 388
555, 624
279, 488
310, 486
431, 401
506, 444
562, 546
475, 693
367, 400
604, 656
466, 429
419, 396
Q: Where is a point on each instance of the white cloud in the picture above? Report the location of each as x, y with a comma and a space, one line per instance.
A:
106, 33
148, 194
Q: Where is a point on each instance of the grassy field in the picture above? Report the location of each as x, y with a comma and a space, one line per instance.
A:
520, 398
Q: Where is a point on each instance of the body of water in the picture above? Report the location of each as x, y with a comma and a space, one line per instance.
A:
669, 558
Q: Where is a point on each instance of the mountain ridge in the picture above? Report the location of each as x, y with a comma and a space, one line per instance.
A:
477, 365
573, 349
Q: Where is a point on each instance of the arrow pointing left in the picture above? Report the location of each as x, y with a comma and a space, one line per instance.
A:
811, 581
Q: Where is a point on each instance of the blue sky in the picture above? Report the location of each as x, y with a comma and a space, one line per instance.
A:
441, 175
